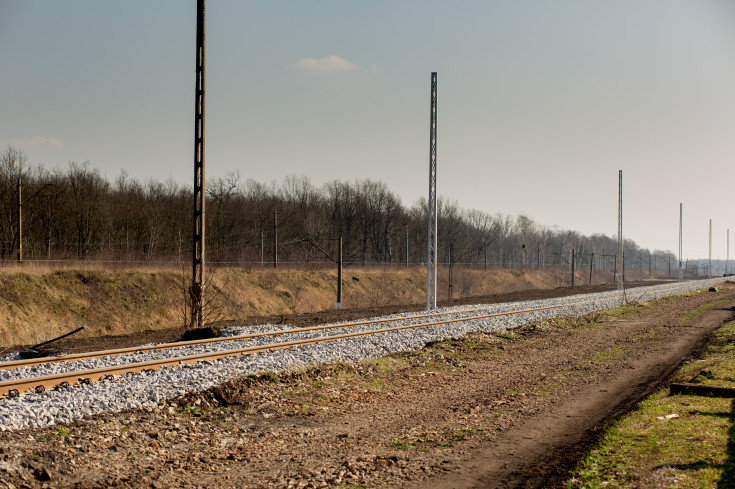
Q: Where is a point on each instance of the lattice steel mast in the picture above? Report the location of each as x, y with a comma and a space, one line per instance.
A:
621, 261
709, 261
432, 207
196, 291
681, 221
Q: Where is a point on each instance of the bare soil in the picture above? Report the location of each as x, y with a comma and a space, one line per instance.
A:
511, 410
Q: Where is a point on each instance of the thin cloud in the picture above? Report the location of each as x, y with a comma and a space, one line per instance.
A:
325, 66
36, 142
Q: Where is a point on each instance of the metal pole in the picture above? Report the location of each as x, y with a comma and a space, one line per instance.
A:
339, 276
572, 267
681, 220
449, 295
709, 262
727, 260
196, 291
20, 221
431, 271
615, 268
621, 263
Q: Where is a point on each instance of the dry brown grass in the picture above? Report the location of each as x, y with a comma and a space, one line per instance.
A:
38, 303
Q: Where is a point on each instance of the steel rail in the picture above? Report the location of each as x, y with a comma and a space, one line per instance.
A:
53, 381
182, 344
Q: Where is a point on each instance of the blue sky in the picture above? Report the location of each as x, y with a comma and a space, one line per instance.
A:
540, 103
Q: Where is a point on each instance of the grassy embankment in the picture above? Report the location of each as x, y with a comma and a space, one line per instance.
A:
673, 441
39, 303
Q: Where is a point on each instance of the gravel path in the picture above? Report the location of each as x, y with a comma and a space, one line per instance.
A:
149, 389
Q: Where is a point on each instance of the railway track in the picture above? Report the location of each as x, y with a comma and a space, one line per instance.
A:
182, 344
14, 388
38, 384
192, 366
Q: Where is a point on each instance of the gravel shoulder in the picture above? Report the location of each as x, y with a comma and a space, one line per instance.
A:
490, 410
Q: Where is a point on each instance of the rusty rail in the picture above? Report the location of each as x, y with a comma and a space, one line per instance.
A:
15, 387
181, 344
54, 381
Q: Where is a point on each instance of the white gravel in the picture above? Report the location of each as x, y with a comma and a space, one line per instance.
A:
149, 389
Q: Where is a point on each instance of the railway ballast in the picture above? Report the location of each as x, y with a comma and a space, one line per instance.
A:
148, 388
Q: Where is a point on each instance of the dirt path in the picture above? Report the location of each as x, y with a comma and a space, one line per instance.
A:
487, 411
540, 450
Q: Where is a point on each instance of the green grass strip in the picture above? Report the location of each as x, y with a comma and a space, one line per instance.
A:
673, 441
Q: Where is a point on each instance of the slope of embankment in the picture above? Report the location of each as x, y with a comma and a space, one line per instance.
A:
37, 304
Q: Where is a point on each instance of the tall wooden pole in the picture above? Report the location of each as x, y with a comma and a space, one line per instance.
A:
406, 245
592, 261
339, 276
20, 221
196, 292
275, 238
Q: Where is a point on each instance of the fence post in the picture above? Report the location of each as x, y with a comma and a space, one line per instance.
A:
339, 276
592, 261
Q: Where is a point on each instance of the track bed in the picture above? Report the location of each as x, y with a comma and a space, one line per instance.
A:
494, 411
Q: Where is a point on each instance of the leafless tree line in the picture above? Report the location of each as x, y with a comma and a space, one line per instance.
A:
75, 213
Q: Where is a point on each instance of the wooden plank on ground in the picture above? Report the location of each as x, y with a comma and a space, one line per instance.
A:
701, 390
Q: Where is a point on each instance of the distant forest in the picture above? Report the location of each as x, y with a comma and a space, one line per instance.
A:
77, 214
